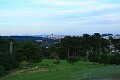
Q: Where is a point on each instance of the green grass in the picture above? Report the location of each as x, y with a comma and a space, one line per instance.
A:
62, 71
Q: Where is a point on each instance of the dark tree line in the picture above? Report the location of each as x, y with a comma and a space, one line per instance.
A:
91, 48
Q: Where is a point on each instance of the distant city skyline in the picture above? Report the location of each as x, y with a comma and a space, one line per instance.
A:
63, 17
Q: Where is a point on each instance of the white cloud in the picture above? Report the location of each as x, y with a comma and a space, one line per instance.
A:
104, 19
66, 2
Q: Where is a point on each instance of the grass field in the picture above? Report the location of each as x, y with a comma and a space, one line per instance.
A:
46, 70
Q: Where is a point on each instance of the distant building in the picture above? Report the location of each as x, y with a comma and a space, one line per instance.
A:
38, 40
54, 36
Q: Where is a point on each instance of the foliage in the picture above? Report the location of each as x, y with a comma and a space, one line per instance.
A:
93, 57
59, 49
72, 59
3, 45
55, 57
8, 61
57, 61
90, 47
71, 45
19, 54
104, 58
115, 59
32, 52
2, 71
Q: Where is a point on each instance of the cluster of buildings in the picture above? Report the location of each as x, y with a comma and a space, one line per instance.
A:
107, 36
55, 37
47, 40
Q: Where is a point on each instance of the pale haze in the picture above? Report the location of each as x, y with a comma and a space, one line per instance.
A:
74, 17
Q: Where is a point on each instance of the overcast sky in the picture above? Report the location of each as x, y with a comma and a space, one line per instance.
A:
59, 16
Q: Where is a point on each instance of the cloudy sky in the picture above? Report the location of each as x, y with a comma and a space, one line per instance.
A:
59, 16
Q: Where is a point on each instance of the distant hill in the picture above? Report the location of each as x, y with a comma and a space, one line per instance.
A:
42, 41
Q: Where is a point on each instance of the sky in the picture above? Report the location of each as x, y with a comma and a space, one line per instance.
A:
73, 17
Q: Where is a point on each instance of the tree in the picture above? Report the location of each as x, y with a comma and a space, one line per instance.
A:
71, 45
104, 45
117, 45
67, 44
96, 42
32, 52
86, 44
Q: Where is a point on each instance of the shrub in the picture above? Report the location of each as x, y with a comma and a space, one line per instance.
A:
72, 59
8, 61
57, 60
2, 71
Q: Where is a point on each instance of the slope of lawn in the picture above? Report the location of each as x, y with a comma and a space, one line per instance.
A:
51, 71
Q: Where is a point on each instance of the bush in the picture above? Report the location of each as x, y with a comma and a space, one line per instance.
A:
53, 55
115, 59
32, 52
57, 61
105, 58
72, 59
2, 71
94, 57
8, 61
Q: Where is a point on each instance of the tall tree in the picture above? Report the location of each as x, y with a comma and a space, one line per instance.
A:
96, 42
71, 44
105, 44
86, 44
67, 44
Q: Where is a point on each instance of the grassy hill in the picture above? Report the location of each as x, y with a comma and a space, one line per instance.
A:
46, 70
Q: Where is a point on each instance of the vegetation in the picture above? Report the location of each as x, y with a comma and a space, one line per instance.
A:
2, 71
91, 48
32, 52
88, 48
